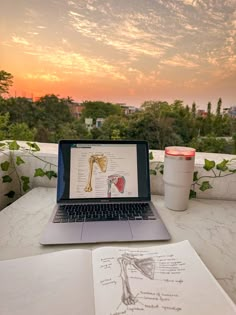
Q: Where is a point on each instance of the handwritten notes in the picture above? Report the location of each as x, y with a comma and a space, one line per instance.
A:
153, 280
169, 279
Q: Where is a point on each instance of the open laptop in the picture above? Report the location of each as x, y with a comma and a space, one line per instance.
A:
103, 194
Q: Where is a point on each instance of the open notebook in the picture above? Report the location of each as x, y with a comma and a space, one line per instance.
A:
167, 280
103, 194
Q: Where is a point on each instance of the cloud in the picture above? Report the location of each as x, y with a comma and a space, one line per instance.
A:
32, 33
125, 34
43, 76
180, 61
20, 40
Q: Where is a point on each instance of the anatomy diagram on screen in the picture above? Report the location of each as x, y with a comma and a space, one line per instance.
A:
146, 266
101, 161
115, 180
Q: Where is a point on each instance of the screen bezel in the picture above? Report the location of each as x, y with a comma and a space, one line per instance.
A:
63, 181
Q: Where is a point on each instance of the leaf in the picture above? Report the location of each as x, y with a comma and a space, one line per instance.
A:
233, 171
39, 172
161, 169
152, 172
34, 147
13, 145
10, 194
205, 185
25, 184
5, 166
151, 156
50, 174
25, 179
195, 176
222, 166
25, 187
19, 160
209, 165
192, 194
6, 179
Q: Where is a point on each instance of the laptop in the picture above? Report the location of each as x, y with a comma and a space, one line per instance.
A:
103, 194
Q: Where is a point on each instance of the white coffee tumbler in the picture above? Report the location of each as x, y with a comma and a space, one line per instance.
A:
178, 176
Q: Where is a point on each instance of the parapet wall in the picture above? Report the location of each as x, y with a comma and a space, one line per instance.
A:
223, 187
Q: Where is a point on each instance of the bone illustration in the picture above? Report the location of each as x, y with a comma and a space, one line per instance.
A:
118, 181
101, 161
145, 266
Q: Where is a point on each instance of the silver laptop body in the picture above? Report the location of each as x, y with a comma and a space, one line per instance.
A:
103, 179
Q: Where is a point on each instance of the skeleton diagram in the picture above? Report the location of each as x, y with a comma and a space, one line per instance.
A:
118, 181
145, 265
101, 161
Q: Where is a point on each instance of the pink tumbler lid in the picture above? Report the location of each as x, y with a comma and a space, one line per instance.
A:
180, 151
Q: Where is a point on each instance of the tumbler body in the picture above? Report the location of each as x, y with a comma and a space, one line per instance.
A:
178, 176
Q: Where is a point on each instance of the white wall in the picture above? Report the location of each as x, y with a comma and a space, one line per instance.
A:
223, 188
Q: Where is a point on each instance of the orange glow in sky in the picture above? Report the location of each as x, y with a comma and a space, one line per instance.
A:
121, 51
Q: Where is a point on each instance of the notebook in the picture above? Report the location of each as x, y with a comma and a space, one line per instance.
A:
103, 194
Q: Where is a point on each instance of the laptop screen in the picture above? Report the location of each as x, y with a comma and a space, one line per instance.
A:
94, 170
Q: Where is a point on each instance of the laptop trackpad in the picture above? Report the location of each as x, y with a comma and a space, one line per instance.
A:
106, 231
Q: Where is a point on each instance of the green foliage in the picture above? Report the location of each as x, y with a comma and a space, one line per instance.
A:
6, 80
209, 144
209, 165
160, 123
159, 168
12, 166
21, 131
218, 170
99, 109
4, 121
114, 127
47, 120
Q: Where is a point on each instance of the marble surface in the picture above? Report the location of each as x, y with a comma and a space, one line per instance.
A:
209, 225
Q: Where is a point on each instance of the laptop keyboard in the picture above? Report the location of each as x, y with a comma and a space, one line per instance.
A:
103, 212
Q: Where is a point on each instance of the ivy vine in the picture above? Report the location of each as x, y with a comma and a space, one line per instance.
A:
216, 170
11, 166
219, 170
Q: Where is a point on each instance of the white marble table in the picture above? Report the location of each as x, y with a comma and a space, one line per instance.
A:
209, 225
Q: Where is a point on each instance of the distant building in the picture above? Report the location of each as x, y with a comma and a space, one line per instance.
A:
232, 111
89, 123
201, 113
99, 122
76, 109
128, 110
30, 99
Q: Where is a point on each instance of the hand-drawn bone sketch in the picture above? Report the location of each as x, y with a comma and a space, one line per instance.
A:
118, 181
101, 161
145, 266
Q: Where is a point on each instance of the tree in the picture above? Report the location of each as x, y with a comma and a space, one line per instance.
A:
20, 109
52, 113
193, 110
21, 131
209, 144
218, 121
114, 127
158, 131
218, 109
4, 121
6, 80
209, 109
99, 109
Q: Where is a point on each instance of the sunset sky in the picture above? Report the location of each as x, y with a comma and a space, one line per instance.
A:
125, 51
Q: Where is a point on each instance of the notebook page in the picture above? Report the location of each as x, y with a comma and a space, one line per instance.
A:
58, 283
169, 279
